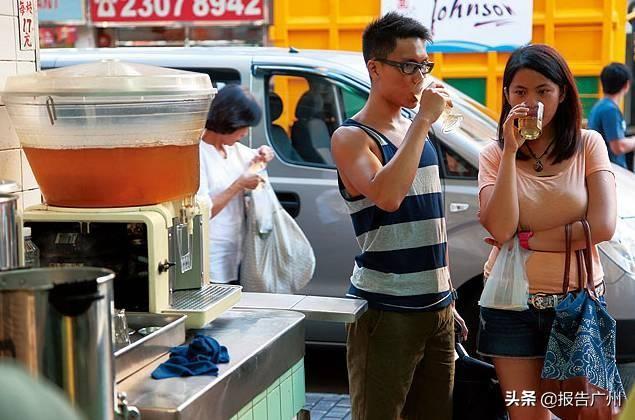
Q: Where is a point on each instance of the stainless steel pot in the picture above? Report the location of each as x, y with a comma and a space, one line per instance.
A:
8, 231
57, 322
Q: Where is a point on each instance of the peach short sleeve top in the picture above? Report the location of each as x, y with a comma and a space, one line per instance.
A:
548, 202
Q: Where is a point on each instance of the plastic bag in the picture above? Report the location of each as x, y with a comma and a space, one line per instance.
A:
507, 286
278, 261
263, 206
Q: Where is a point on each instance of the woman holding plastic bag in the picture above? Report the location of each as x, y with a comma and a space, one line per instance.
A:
228, 169
529, 191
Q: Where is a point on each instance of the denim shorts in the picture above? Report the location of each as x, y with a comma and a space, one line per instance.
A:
519, 334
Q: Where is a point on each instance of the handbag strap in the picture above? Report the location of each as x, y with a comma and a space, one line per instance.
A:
584, 260
579, 259
567, 258
588, 260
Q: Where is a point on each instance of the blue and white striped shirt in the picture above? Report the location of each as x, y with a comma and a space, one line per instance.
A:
403, 264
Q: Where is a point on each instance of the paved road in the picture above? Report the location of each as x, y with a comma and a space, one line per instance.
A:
627, 372
329, 406
327, 382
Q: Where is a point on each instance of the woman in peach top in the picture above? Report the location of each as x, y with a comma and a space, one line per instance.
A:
533, 189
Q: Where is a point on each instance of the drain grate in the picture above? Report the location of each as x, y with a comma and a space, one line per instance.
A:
201, 299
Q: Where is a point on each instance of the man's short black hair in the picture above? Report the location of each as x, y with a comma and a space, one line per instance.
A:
614, 77
232, 109
380, 36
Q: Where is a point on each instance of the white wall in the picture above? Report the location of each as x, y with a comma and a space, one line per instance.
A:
13, 163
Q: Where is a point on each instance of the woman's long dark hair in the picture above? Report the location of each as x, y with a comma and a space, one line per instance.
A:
548, 62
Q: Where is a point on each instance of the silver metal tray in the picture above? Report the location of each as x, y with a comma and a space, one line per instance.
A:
315, 308
143, 350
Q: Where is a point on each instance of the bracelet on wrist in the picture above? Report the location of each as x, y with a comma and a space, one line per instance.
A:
523, 238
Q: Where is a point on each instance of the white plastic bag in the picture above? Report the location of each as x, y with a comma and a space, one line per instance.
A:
507, 286
263, 206
280, 260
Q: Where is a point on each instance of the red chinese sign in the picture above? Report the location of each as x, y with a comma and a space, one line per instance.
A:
26, 23
58, 36
146, 11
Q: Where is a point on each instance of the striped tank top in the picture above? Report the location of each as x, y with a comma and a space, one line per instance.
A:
403, 265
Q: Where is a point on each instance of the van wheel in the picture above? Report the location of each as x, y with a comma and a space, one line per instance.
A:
467, 305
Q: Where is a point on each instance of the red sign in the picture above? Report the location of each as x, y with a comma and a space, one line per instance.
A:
26, 23
145, 11
58, 36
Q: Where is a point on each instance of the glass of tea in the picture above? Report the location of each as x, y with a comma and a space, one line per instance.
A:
530, 127
450, 119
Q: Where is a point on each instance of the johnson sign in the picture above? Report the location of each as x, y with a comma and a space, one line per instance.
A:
470, 25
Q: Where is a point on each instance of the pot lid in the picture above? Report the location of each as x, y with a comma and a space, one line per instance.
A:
8, 187
109, 78
48, 277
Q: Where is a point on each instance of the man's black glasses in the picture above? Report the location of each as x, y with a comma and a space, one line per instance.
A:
409, 67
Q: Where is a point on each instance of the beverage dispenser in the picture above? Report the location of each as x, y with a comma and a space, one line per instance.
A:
114, 149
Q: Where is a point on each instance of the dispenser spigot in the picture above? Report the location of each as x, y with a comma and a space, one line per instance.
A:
189, 209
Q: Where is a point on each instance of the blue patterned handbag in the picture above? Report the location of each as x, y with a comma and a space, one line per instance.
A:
580, 358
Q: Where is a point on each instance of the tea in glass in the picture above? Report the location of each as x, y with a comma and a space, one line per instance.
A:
530, 127
450, 119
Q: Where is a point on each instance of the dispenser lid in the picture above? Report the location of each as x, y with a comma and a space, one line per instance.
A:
109, 78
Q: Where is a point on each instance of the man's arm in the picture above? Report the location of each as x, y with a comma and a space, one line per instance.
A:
386, 186
613, 124
622, 146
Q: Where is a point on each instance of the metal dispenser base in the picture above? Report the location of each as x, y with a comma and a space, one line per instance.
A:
161, 263
203, 305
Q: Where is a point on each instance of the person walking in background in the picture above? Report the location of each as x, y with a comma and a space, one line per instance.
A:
400, 353
532, 189
606, 117
226, 173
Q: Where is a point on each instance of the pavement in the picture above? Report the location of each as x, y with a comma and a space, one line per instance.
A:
325, 406
627, 373
327, 383
328, 406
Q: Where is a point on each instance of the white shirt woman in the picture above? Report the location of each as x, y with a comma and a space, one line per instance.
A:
226, 169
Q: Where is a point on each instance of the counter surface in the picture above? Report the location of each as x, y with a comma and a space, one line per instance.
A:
263, 344
315, 308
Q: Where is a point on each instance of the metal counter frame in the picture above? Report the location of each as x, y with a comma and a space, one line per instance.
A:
262, 345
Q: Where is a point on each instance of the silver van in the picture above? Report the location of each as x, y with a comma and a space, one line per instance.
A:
306, 95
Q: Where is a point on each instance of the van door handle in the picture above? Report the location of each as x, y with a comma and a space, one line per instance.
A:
290, 201
458, 207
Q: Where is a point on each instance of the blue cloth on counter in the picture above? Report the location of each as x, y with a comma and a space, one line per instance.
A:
198, 358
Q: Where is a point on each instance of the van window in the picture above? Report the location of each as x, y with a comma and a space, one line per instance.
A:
302, 113
454, 166
353, 100
219, 77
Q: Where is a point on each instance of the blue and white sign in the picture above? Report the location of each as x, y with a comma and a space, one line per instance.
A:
470, 25
61, 11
